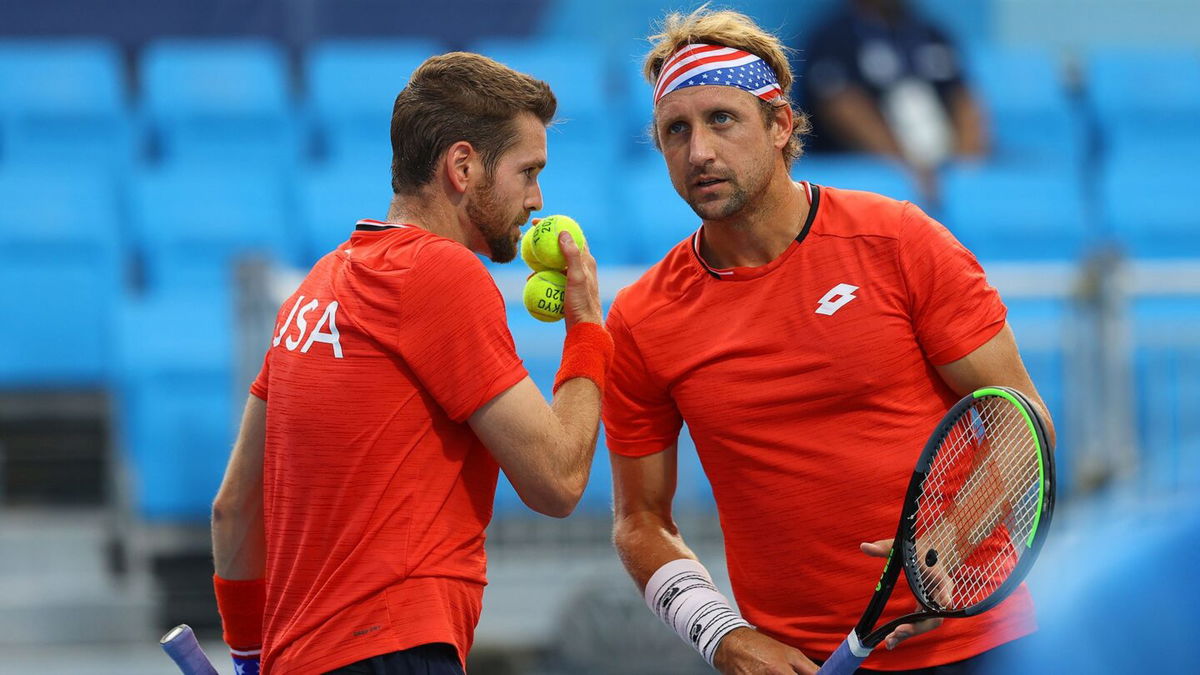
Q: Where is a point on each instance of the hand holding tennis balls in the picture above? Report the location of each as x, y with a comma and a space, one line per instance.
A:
564, 279
542, 241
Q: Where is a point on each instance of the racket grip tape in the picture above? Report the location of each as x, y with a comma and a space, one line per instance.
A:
846, 659
181, 645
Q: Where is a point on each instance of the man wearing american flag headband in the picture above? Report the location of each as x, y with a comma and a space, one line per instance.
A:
809, 337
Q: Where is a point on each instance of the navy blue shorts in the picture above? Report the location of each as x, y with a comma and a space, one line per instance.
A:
438, 658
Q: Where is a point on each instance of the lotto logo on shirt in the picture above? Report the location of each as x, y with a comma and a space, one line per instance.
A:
295, 330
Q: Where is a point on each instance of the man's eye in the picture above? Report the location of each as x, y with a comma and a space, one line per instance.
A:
722, 118
677, 127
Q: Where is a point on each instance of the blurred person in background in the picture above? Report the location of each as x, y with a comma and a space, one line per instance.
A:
880, 78
811, 338
348, 533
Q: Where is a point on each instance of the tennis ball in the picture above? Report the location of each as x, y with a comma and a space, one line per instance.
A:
544, 293
544, 240
527, 251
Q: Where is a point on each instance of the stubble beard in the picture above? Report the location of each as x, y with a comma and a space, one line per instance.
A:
487, 214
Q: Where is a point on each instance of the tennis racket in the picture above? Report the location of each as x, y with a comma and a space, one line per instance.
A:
975, 515
181, 645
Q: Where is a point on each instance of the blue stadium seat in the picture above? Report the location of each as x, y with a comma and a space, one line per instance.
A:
1025, 98
351, 88
579, 75
220, 101
857, 172
62, 268
1146, 202
176, 406
1016, 211
64, 100
1144, 99
193, 223
655, 217
331, 198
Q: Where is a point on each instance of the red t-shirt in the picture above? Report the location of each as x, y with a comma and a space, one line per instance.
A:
376, 490
808, 385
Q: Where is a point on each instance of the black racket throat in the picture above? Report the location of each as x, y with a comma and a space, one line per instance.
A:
905, 551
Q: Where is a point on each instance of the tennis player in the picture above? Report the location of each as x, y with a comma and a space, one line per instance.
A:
348, 534
811, 338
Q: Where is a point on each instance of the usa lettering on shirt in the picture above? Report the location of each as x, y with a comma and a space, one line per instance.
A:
324, 330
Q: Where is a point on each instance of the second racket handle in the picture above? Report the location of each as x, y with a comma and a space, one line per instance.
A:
846, 659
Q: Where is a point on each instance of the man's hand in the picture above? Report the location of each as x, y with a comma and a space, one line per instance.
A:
582, 302
746, 651
881, 549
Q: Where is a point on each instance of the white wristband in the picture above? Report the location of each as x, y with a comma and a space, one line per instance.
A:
683, 595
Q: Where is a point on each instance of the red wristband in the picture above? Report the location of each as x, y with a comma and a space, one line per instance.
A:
241, 605
587, 352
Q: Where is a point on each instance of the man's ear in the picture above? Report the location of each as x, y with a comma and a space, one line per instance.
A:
783, 122
460, 165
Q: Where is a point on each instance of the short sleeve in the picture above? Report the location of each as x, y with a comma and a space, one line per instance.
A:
259, 386
640, 418
954, 309
454, 332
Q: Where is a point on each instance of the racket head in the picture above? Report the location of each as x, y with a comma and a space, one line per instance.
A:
979, 505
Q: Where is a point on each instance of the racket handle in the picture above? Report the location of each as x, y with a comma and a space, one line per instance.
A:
846, 659
181, 645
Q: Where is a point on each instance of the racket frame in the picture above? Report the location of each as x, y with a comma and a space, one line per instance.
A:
891, 571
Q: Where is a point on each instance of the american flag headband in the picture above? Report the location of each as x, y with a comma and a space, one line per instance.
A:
699, 64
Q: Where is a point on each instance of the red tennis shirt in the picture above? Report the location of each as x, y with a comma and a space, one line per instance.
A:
809, 388
376, 490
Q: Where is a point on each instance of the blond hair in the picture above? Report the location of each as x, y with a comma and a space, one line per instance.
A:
729, 29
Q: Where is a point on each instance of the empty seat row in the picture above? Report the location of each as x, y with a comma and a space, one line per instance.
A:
229, 100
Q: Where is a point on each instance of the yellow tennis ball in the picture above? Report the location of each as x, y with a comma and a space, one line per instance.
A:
544, 240
527, 251
544, 293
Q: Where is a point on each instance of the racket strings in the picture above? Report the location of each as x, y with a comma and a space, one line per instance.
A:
976, 507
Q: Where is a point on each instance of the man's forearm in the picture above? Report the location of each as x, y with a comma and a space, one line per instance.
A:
646, 542
239, 542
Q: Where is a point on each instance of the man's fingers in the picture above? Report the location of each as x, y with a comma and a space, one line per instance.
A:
570, 251
877, 549
907, 630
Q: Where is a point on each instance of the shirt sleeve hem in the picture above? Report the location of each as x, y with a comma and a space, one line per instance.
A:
636, 448
498, 386
969, 343
259, 390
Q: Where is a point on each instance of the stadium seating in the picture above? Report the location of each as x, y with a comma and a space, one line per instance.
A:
351, 87
857, 172
61, 268
64, 100
220, 101
331, 198
175, 400
1145, 199
1144, 99
229, 173
194, 223
1016, 211
1031, 116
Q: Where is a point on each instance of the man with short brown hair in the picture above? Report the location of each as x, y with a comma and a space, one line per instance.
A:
348, 533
